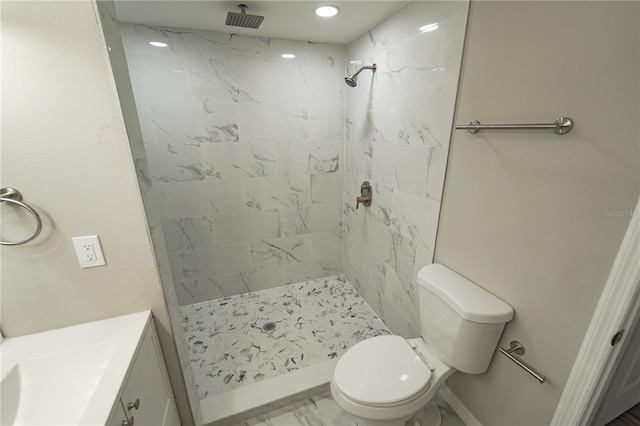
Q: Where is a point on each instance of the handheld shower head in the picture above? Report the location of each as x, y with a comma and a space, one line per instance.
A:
352, 79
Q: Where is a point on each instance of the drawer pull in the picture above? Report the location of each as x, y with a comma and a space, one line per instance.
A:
129, 422
133, 405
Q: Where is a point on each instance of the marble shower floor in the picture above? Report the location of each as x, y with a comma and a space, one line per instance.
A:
231, 342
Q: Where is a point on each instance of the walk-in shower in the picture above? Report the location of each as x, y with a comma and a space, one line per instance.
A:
254, 164
352, 79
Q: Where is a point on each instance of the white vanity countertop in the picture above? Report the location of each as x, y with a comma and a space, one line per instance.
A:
70, 375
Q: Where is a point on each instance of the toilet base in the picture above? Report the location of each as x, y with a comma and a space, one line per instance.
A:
428, 416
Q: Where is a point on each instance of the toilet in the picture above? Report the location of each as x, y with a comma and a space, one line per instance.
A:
392, 381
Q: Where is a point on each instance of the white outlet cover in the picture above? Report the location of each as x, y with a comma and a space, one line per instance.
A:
89, 251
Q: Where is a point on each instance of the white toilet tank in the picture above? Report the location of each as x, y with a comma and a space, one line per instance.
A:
460, 321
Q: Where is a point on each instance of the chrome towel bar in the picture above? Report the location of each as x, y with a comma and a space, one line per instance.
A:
13, 196
561, 126
517, 348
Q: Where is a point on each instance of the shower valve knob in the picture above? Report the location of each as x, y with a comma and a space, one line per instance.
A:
365, 195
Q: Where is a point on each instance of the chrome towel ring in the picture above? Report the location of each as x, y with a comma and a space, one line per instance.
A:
13, 196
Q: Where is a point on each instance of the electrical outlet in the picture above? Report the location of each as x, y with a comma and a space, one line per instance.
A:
89, 251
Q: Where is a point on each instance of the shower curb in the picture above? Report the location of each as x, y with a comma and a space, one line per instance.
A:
252, 400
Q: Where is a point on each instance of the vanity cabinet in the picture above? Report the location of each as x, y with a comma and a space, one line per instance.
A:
146, 398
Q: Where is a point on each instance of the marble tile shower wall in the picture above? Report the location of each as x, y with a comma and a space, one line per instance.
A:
245, 151
398, 127
149, 193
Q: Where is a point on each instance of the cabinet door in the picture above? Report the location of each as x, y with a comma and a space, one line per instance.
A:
149, 384
118, 416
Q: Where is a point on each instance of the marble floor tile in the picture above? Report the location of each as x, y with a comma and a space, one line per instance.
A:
238, 340
319, 410
322, 410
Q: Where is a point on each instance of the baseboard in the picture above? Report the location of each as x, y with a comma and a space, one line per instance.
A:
458, 406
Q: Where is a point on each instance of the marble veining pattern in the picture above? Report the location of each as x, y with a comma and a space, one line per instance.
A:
150, 195
245, 149
322, 410
230, 344
398, 125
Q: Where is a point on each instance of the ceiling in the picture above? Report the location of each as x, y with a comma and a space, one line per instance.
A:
294, 20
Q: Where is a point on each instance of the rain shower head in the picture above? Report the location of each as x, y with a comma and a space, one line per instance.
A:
352, 79
243, 19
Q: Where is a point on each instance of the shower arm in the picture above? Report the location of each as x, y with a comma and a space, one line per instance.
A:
366, 67
351, 79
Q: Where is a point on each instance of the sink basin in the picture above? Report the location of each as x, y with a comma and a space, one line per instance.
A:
53, 383
70, 375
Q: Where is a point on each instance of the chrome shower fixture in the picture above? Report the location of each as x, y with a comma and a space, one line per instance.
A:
352, 79
243, 19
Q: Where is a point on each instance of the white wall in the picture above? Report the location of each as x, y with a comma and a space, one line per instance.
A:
150, 199
530, 215
397, 137
64, 145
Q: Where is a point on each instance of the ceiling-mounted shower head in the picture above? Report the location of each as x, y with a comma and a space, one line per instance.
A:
243, 19
352, 79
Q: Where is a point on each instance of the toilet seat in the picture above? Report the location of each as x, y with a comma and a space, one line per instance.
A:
382, 371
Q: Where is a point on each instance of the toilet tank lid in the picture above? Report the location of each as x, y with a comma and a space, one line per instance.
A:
469, 300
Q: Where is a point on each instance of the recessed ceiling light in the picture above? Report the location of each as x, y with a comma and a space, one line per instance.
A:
158, 44
327, 11
288, 55
428, 27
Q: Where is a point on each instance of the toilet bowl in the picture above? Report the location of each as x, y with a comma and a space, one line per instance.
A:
387, 380
391, 381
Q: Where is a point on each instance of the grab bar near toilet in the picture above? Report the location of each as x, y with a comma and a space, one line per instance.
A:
517, 348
